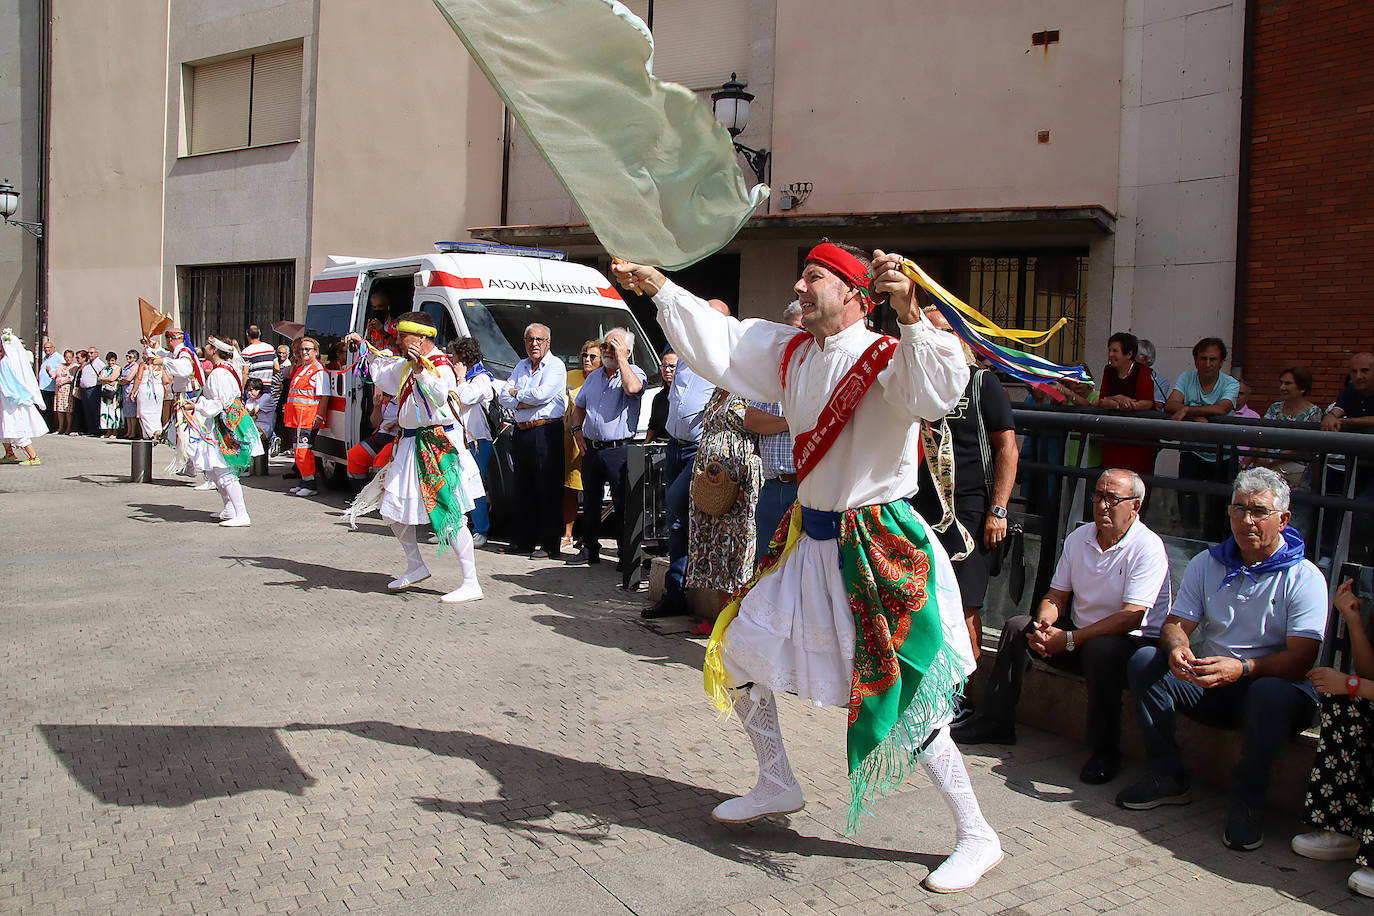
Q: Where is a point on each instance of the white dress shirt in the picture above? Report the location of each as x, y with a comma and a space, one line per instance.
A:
545, 387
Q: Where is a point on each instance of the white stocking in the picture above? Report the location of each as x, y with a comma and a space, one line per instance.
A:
233, 492
406, 535
757, 709
976, 847
228, 510
467, 560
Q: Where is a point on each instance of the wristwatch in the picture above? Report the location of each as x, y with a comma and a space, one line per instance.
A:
1352, 686
997, 511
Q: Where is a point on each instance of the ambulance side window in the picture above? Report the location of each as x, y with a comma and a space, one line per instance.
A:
442, 321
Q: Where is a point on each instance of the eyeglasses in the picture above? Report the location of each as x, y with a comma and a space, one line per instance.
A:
1110, 499
536, 340
1258, 513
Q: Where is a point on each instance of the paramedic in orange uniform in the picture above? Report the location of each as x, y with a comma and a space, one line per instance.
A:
307, 407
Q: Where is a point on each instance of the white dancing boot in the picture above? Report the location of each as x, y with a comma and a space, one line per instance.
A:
415, 565
238, 512
976, 847
227, 510
471, 589
777, 790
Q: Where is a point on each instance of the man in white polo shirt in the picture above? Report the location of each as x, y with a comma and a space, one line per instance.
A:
1117, 573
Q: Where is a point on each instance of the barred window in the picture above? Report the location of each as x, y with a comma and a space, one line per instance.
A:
253, 100
224, 299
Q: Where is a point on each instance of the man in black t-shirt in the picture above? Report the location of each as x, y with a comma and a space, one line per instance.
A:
1353, 412
980, 505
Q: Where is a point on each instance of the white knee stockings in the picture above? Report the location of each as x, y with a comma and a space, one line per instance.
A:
416, 571
234, 513
976, 847
777, 790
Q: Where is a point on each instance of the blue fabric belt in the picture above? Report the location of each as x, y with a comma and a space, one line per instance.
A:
820, 525
410, 433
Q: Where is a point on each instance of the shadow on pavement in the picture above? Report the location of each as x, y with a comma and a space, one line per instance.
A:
153, 513
536, 785
122, 480
310, 576
174, 765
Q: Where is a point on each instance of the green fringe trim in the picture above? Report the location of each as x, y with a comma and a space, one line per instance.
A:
897, 755
446, 517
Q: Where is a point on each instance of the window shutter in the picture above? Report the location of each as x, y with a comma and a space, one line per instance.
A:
219, 105
699, 44
276, 96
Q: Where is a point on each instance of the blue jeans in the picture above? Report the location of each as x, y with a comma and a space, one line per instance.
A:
1268, 711
678, 474
481, 518
775, 499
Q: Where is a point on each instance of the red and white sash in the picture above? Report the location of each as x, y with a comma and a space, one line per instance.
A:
810, 447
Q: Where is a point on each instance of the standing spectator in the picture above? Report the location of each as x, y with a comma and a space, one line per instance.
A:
47, 381
88, 380
1262, 610
779, 489
537, 393
1115, 572
307, 406
1127, 384
1340, 791
476, 393
258, 356
687, 397
605, 417
280, 380
589, 361
65, 402
720, 552
127, 408
111, 416
657, 427
1159, 382
1202, 392
983, 438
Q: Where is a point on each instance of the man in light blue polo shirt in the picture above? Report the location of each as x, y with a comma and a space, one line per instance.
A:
47, 379
687, 397
1262, 608
604, 419
1202, 392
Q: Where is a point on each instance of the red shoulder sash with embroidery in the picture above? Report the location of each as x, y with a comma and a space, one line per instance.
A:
437, 358
810, 447
232, 374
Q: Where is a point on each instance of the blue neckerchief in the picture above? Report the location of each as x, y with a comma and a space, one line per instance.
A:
476, 370
1227, 553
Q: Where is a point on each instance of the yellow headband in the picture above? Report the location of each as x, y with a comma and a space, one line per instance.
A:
414, 327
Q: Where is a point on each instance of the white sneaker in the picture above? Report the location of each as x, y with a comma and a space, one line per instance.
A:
237, 521
479, 540
222, 514
408, 578
1326, 845
1362, 881
294, 490
204, 485
468, 591
306, 491
752, 807
971, 860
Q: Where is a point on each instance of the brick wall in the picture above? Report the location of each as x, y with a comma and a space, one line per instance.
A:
1309, 270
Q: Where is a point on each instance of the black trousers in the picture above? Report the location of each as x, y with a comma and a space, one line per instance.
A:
1203, 517
90, 410
50, 415
599, 468
538, 458
1101, 661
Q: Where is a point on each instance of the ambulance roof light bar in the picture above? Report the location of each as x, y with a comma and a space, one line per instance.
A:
494, 248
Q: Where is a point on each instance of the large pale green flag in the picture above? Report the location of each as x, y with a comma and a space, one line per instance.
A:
645, 160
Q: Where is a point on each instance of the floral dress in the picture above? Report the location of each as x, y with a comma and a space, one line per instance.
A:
720, 551
111, 413
1295, 472
63, 378
1341, 789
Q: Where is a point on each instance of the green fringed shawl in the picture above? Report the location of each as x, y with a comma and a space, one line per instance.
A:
441, 480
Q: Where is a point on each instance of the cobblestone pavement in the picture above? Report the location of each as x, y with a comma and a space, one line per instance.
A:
203, 720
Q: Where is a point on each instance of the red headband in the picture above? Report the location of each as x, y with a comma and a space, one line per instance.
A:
842, 264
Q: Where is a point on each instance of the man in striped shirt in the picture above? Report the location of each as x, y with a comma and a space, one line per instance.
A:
259, 356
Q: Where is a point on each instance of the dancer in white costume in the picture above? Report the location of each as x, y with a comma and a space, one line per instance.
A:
186, 377
20, 402
887, 627
431, 477
221, 438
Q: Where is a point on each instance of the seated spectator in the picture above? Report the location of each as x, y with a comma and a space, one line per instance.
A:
1352, 412
1126, 385
262, 406
1341, 790
1262, 609
657, 428
1294, 384
1203, 391
1243, 403
1354, 407
1116, 572
1159, 382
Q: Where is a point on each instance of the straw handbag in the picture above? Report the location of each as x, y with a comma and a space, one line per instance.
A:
714, 491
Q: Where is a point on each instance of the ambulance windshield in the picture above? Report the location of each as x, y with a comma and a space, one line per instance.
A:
499, 326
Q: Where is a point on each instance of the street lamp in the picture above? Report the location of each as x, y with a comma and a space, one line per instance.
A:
731, 107
9, 203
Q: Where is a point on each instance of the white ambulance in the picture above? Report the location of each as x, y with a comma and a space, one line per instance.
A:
470, 289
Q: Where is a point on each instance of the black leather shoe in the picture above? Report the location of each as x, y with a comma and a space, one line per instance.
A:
983, 731
1100, 768
667, 606
516, 548
581, 558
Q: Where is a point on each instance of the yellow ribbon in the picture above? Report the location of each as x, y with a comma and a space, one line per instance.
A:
977, 320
